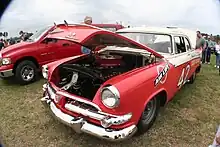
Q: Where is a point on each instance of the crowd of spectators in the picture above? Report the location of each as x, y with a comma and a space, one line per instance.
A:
210, 45
23, 36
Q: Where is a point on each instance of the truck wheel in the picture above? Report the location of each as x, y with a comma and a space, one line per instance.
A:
149, 116
192, 78
26, 72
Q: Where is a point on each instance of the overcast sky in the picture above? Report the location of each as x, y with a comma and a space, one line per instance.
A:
29, 15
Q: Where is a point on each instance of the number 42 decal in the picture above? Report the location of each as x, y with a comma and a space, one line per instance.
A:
183, 76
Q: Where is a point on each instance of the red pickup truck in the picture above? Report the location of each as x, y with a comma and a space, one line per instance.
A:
23, 61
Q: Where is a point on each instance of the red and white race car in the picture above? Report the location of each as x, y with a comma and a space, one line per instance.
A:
117, 87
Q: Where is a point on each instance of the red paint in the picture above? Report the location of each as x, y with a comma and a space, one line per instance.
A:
46, 53
136, 87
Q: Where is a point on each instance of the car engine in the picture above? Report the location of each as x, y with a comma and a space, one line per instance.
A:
84, 77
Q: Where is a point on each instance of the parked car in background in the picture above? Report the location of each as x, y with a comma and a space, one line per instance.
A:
23, 60
110, 27
95, 92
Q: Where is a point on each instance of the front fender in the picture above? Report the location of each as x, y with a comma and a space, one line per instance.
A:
152, 96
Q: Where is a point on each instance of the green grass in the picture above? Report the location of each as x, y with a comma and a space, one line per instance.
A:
190, 119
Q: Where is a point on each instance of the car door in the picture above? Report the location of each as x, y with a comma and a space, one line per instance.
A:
46, 52
181, 61
194, 57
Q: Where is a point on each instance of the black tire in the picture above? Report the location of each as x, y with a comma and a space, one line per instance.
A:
21, 71
6, 78
192, 78
148, 118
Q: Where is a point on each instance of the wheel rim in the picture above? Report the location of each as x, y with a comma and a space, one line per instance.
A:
149, 111
27, 73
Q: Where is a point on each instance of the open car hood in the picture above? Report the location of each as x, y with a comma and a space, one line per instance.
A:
92, 38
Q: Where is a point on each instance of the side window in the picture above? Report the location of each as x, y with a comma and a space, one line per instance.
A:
179, 44
49, 40
188, 46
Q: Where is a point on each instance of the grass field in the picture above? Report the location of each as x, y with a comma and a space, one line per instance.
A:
190, 119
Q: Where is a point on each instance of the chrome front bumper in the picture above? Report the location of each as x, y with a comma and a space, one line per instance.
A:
81, 125
6, 73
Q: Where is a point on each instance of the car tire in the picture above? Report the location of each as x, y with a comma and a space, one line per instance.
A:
26, 72
6, 78
149, 116
192, 78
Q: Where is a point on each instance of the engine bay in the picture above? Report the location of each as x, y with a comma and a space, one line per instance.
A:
85, 76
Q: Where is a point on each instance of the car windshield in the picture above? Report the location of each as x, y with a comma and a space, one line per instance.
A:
36, 36
158, 42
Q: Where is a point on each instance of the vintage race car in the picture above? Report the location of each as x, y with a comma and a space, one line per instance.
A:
117, 87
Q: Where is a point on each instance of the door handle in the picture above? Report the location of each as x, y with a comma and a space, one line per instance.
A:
66, 44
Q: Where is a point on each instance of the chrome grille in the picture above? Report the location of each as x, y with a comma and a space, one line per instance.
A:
52, 93
81, 104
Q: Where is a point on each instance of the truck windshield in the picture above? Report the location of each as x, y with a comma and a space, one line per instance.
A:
36, 36
158, 42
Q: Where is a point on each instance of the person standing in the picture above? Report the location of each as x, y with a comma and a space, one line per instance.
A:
5, 43
1, 44
88, 20
201, 43
209, 49
217, 53
22, 35
11, 41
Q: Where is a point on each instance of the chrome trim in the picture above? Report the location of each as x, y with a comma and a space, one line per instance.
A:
78, 99
105, 119
45, 86
84, 112
112, 135
6, 73
115, 91
80, 125
45, 71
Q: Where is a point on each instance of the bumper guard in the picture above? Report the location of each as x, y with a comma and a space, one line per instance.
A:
81, 125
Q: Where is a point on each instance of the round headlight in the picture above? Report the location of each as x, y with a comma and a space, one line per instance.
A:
45, 71
110, 97
6, 61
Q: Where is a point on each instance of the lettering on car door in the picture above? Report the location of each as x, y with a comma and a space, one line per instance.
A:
181, 59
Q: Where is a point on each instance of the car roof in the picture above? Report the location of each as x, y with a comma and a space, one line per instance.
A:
160, 30
191, 34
